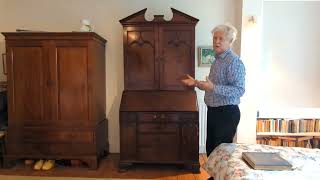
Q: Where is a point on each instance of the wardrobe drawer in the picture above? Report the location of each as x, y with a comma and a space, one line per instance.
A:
50, 149
58, 136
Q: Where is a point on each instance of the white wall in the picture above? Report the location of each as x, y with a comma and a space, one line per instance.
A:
62, 15
250, 54
280, 53
290, 63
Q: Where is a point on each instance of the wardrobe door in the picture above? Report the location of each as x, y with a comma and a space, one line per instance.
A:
140, 63
176, 49
72, 78
25, 62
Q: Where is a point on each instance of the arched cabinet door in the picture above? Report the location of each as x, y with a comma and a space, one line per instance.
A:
176, 55
158, 53
140, 65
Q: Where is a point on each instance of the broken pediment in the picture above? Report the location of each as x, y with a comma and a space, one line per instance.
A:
178, 17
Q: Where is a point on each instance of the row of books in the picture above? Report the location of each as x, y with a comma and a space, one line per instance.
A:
312, 143
288, 125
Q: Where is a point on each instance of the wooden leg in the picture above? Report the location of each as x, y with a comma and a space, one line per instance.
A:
9, 162
104, 153
91, 162
124, 166
193, 167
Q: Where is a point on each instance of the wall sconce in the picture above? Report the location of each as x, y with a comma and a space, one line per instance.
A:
252, 20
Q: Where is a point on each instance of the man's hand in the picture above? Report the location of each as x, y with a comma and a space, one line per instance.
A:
205, 85
189, 81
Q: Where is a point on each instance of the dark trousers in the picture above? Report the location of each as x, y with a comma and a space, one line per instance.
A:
222, 125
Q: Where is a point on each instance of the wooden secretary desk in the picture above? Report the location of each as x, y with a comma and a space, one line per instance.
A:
158, 115
56, 96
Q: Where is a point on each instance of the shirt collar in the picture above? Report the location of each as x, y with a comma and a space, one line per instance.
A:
224, 54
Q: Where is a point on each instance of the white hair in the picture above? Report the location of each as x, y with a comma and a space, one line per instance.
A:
229, 31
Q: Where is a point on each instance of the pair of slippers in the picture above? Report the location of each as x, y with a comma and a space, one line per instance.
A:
41, 164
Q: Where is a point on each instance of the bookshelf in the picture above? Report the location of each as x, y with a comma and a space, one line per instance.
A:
289, 132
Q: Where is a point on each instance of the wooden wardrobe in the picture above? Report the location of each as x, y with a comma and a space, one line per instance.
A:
56, 96
158, 115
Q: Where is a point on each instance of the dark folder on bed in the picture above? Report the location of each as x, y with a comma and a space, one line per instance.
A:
266, 161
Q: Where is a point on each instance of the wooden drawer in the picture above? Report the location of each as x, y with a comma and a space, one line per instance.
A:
158, 140
163, 154
45, 136
157, 123
157, 117
158, 127
189, 116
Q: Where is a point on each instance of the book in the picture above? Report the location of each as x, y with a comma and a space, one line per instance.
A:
266, 161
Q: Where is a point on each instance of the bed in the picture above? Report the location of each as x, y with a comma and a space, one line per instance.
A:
225, 163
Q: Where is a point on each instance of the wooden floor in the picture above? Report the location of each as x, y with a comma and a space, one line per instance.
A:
108, 168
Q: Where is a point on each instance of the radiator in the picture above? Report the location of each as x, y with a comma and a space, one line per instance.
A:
202, 127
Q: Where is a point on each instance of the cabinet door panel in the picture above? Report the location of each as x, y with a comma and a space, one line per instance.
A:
176, 48
140, 63
25, 81
190, 139
72, 84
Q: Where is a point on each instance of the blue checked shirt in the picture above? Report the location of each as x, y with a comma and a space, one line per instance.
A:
227, 74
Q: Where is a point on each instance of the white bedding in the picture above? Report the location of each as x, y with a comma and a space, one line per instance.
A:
225, 163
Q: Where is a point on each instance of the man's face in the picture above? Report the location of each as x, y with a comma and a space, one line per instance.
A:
220, 42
